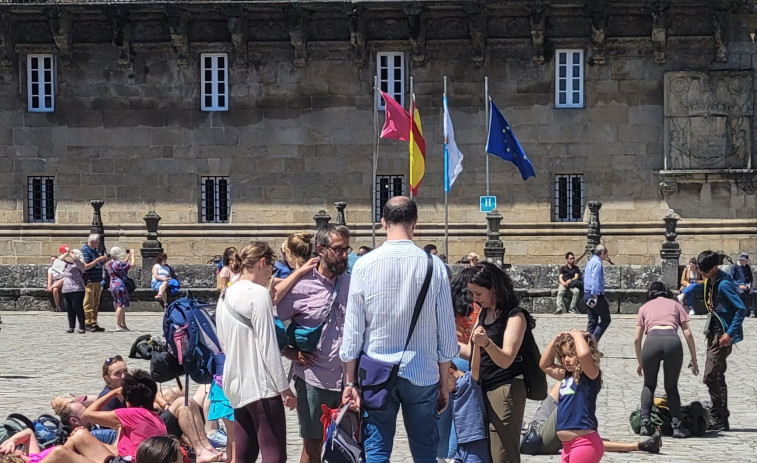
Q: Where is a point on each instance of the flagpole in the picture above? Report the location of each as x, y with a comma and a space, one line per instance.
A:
412, 120
376, 140
446, 181
486, 112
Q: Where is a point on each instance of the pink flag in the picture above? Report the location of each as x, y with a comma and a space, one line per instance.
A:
397, 122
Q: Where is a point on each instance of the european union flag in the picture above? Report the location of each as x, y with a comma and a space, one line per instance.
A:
502, 143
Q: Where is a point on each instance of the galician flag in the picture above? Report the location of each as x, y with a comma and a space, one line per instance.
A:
417, 149
453, 157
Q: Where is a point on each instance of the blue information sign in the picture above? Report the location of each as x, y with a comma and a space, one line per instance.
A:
488, 203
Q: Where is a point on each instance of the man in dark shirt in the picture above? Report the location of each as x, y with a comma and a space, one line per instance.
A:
94, 288
568, 273
726, 315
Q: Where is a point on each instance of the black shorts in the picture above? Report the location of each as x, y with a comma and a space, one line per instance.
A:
172, 424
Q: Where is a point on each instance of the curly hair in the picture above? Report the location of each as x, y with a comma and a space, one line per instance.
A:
139, 389
489, 276
566, 342
11, 458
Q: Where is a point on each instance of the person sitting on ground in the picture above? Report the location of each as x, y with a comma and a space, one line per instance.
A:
472, 259
71, 413
660, 319
226, 275
162, 273
742, 276
568, 277
545, 420
118, 271
691, 284
161, 449
178, 418
296, 250
137, 421
32, 452
55, 277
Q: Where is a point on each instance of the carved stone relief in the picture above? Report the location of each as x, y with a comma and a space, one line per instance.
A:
538, 21
720, 35
237, 25
708, 120
659, 36
60, 28
178, 22
298, 37
6, 44
357, 36
417, 25
478, 33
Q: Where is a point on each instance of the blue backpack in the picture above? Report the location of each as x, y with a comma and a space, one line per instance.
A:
190, 334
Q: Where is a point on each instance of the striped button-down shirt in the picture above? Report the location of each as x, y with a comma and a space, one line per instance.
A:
384, 287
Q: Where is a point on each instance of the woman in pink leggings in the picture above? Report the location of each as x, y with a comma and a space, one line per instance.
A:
573, 358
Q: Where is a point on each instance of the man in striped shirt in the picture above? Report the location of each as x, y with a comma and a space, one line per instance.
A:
384, 287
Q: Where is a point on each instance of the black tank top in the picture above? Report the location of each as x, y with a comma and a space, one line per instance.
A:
492, 375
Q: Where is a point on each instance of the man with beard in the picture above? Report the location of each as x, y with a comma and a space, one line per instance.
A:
319, 297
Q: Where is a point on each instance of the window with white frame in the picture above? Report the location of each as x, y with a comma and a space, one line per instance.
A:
569, 79
387, 186
40, 81
391, 76
215, 204
40, 199
215, 81
569, 197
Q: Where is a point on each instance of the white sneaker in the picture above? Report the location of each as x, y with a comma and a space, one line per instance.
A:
692, 312
679, 298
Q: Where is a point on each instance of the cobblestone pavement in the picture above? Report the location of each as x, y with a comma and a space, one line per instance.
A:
40, 360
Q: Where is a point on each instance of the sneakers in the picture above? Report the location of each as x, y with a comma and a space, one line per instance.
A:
557, 312
97, 327
653, 444
679, 430
70, 330
120, 328
680, 297
692, 311
218, 439
646, 428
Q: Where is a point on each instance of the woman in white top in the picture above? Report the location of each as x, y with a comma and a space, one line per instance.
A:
254, 380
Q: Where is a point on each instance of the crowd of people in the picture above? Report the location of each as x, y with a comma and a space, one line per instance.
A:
397, 332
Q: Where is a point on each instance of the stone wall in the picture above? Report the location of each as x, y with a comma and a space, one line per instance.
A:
298, 134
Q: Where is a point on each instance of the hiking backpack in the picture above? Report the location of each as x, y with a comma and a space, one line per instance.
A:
190, 334
49, 431
342, 441
13, 424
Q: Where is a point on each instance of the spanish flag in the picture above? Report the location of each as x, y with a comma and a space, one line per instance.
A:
417, 149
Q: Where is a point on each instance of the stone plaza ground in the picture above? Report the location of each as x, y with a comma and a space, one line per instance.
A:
39, 360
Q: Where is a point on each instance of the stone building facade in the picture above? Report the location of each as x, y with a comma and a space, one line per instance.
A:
239, 120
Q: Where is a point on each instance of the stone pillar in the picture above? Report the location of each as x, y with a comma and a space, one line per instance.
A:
321, 219
97, 223
151, 247
671, 251
494, 249
341, 219
594, 231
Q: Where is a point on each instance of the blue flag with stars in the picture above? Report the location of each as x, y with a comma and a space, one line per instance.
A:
502, 143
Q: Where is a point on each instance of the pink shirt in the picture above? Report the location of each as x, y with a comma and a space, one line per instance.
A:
38, 457
137, 424
661, 312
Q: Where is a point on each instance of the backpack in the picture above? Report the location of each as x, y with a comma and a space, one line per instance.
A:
190, 334
660, 418
49, 431
342, 442
694, 417
146, 345
13, 424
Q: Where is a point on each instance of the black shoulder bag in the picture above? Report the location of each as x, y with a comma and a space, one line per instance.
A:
376, 378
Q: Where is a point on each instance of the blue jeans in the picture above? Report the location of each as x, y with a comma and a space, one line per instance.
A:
419, 414
447, 438
690, 291
105, 435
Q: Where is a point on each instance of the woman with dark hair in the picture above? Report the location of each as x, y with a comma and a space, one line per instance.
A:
499, 334
160, 449
659, 318
227, 275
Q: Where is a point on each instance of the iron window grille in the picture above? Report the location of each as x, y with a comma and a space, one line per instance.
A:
215, 81
569, 79
41, 199
215, 206
569, 198
387, 186
40, 72
391, 76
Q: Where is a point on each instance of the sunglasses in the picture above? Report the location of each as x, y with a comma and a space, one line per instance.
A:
111, 360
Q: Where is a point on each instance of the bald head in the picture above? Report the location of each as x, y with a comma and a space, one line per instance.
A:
400, 210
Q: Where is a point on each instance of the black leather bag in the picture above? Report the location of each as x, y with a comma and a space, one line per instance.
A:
534, 377
130, 284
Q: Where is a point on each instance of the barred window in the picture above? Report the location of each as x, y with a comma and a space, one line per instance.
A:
40, 83
215, 196
387, 186
569, 79
41, 199
391, 72
215, 81
569, 198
